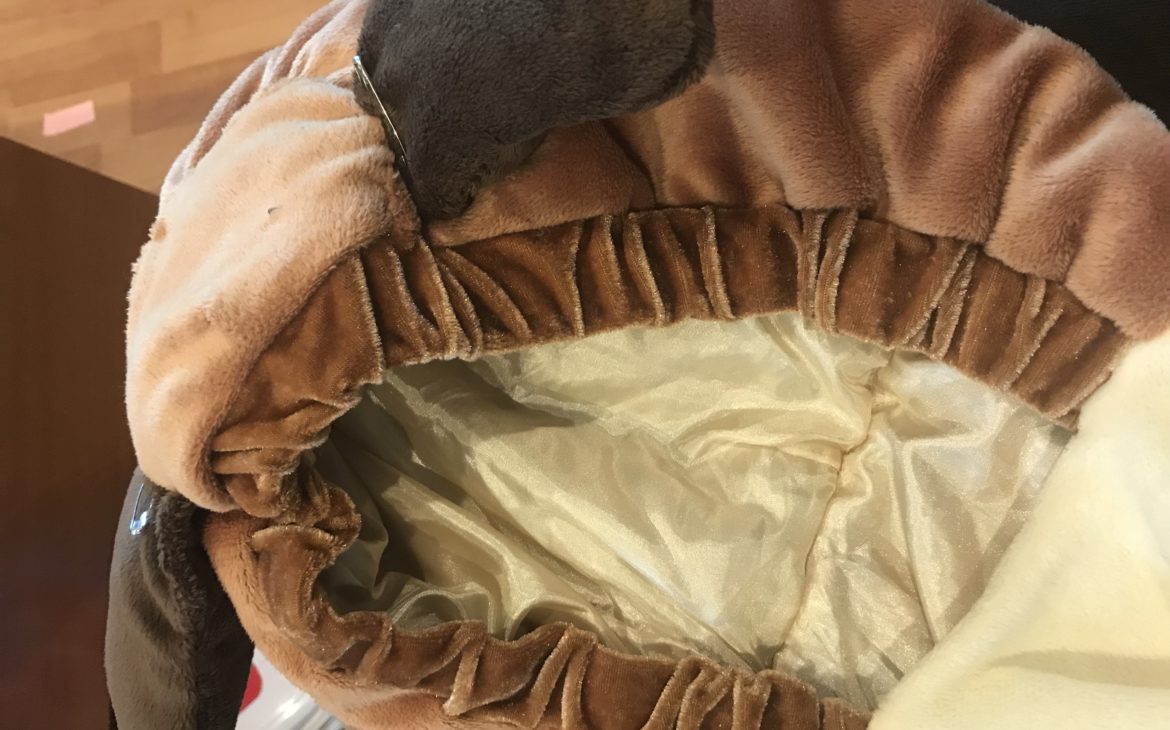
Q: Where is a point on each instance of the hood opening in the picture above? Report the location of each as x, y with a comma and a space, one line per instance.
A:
758, 492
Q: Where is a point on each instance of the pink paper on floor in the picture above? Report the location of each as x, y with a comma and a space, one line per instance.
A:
69, 118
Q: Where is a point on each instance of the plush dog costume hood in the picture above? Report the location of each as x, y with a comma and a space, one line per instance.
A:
838, 384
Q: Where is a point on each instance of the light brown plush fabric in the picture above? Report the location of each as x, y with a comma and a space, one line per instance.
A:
945, 118
928, 175
212, 290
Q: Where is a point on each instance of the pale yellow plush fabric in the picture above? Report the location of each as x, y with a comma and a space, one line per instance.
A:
1074, 630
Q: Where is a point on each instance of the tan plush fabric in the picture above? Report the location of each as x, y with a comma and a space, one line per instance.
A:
928, 175
212, 291
945, 118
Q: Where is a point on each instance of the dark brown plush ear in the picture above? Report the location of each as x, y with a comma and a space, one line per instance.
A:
473, 84
176, 655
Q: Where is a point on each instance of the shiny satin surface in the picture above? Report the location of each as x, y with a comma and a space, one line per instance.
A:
760, 492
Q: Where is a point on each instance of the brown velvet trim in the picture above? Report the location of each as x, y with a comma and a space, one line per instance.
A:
855, 276
371, 674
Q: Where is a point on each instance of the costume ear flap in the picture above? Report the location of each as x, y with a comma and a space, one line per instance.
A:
471, 83
599, 59
639, 54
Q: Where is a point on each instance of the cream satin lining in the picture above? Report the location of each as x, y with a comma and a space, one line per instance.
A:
759, 492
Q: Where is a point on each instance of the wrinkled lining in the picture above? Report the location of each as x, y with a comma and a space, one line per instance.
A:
759, 492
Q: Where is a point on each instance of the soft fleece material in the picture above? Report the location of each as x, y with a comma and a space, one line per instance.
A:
1111, 256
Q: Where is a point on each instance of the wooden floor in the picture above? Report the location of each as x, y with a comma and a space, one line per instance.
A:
151, 67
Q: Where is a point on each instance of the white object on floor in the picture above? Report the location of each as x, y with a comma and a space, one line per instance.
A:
274, 703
